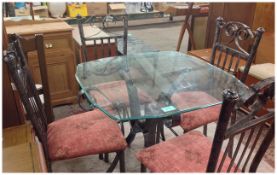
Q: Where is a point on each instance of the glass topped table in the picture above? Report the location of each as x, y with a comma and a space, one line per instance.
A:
150, 79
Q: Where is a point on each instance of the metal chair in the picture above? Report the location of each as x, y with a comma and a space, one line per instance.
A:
100, 51
193, 152
24, 46
227, 56
100, 41
74, 136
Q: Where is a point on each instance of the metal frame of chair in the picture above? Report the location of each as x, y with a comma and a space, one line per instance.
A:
247, 128
26, 45
236, 33
22, 78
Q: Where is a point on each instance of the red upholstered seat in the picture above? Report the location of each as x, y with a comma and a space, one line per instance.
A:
83, 134
187, 153
115, 91
197, 118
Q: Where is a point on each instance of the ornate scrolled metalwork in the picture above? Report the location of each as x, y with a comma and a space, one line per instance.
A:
237, 32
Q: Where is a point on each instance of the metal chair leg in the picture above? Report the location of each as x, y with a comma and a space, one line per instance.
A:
205, 130
122, 162
142, 168
114, 162
162, 133
101, 156
106, 157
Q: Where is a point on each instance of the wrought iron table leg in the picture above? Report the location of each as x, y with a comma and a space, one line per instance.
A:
162, 132
134, 130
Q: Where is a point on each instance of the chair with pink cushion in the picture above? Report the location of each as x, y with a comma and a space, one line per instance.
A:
227, 53
78, 135
193, 152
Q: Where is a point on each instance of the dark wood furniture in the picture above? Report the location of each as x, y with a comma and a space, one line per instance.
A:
186, 26
252, 14
69, 137
24, 46
193, 152
195, 22
59, 53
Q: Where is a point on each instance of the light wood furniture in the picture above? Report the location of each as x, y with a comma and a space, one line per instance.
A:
21, 153
95, 50
60, 57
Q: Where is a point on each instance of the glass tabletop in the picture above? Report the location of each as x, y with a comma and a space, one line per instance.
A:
153, 84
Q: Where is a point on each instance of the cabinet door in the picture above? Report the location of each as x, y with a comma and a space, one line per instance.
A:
61, 71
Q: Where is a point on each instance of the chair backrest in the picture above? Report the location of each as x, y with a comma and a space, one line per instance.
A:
235, 34
22, 78
112, 39
253, 136
36, 43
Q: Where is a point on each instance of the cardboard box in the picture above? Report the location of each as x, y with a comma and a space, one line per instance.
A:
22, 12
160, 6
41, 11
117, 8
97, 9
180, 10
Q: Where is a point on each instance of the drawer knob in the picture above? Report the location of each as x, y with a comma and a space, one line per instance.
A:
48, 45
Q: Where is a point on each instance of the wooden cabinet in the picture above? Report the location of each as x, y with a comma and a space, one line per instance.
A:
60, 58
252, 14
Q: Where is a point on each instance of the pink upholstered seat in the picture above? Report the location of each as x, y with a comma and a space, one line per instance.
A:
197, 118
115, 91
187, 153
84, 134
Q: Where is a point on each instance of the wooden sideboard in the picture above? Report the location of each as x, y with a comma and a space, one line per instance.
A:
252, 14
60, 57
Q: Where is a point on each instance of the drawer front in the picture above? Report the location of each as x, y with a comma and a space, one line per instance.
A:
56, 42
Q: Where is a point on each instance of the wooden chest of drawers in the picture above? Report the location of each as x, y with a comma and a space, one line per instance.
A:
60, 58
